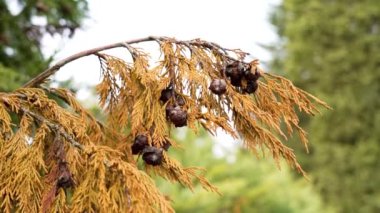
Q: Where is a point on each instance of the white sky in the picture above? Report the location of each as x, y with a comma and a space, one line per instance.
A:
234, 24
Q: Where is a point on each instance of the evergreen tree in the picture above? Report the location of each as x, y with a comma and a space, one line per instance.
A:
331, 48
247, 184
20, 35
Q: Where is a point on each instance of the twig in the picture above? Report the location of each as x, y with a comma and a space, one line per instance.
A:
53, 91
54, 127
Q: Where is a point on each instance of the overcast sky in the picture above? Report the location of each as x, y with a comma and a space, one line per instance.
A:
234, 24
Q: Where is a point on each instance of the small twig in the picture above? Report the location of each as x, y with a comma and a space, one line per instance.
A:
209, 45
54, 92
54, 127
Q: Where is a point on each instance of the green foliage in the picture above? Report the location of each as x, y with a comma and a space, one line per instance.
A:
331, 48
246, 183
21, 35
9, 78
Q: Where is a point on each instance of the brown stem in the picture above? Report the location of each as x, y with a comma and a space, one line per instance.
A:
54, 127
53, 69
54, 92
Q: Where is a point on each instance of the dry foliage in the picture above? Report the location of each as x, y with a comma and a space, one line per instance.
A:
58, 158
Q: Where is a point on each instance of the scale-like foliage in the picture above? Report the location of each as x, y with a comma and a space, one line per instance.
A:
57, 157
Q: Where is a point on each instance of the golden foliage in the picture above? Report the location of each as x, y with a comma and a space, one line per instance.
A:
56, 157
173, 171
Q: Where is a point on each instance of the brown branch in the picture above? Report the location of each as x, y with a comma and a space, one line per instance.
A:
53, 69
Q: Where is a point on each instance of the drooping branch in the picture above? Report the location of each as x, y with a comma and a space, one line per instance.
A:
39, 79
192, 76
194, 83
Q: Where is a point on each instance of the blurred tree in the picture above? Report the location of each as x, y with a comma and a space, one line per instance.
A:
332, 49
246, 184
23, 25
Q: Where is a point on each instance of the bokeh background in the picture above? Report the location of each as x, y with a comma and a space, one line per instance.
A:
327, 47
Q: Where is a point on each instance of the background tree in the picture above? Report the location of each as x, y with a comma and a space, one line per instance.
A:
331, 48
247, 184
51, 152
23, 24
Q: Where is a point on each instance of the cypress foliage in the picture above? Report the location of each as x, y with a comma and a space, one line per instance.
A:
59, 158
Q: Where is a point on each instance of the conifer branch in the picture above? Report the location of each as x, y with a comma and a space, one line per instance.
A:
54, 127
40, 78
192, 82
53, 91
